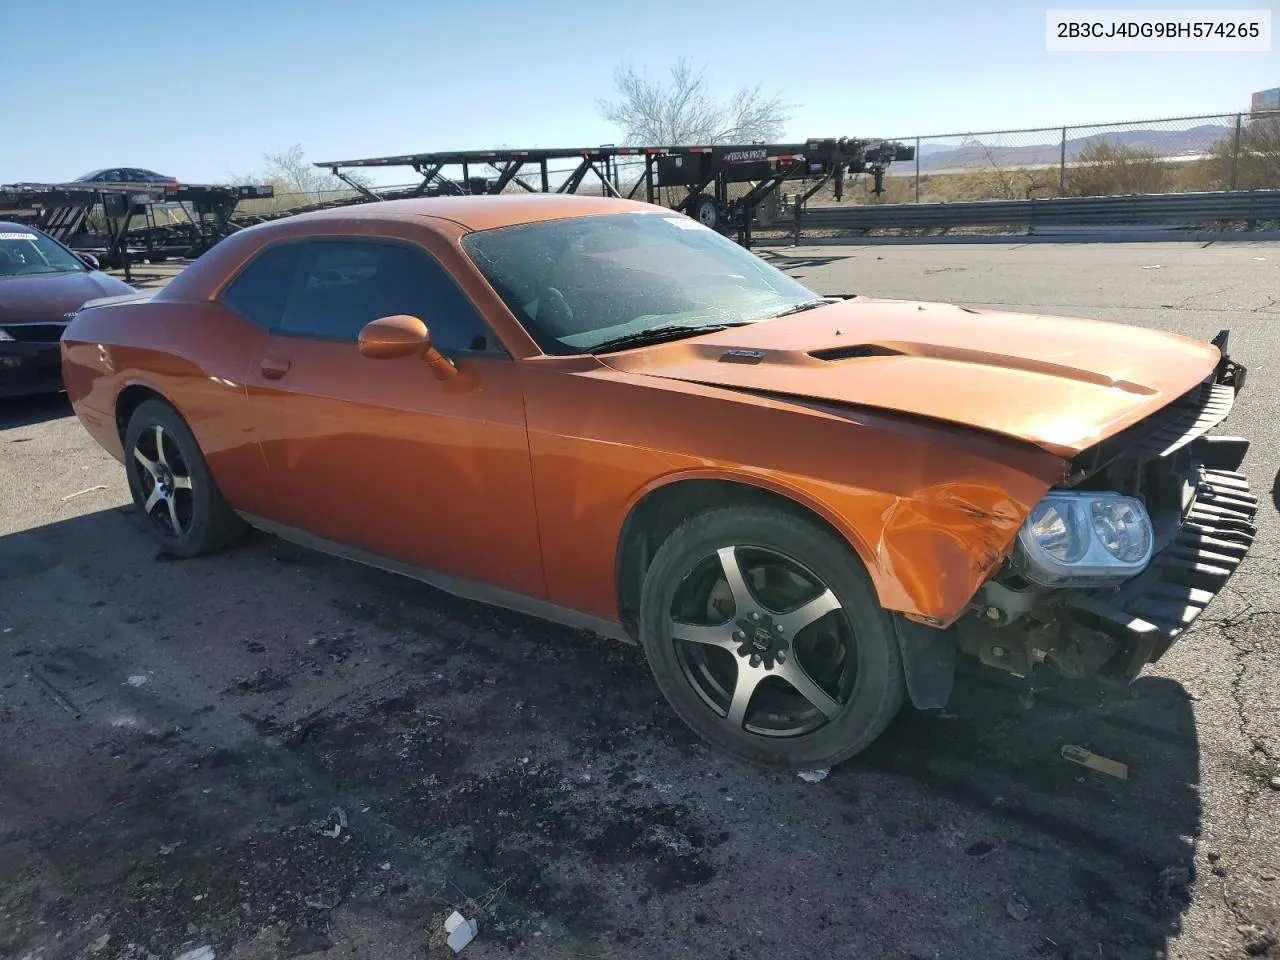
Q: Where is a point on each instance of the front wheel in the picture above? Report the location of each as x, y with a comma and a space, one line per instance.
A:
172, 486
764, 633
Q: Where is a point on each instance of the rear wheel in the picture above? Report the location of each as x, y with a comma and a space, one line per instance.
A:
764, 633
172, 486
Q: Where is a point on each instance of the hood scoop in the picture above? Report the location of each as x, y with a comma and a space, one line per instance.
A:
855, 352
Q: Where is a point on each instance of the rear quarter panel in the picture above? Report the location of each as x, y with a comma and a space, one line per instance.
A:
195, 356
929, 510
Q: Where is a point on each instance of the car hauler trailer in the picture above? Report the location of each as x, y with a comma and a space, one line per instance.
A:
126, 224
701, 175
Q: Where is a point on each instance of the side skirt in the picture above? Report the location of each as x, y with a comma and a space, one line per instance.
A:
458, 587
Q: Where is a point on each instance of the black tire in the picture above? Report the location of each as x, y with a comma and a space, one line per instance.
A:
694, 676
205, 521
705, 210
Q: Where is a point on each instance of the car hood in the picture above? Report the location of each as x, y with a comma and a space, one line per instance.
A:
1061, 383
44, 298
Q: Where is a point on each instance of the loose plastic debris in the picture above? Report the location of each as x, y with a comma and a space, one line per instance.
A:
199, 953
81, 493
814, 776
1017, 907
339, 818
461, 931
1087, 758
137, 680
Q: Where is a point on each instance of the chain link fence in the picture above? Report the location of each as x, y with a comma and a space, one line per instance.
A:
1237, 151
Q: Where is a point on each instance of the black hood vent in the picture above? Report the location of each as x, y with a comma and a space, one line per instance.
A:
854, 352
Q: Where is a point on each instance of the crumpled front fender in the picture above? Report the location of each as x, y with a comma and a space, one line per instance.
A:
936, 549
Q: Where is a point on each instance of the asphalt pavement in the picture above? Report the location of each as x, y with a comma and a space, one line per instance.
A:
273, 753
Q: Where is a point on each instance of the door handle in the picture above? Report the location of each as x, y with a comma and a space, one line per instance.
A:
274, 369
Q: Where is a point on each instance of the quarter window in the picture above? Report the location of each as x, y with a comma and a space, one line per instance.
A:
261, 290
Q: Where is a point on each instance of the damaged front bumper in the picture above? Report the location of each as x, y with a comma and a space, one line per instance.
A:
1147, 614
1208, 530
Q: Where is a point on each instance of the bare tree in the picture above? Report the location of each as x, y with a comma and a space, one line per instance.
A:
683, 111
291, 173
1004, 183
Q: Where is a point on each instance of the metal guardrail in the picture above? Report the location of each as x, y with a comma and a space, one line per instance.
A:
1163, 209
1160, 208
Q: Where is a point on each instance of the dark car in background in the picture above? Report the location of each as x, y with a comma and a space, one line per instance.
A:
126, 175
41, 284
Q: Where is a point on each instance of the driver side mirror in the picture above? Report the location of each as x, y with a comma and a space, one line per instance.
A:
390, 338
90, 261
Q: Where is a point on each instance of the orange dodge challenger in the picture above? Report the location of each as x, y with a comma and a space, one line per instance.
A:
602, 413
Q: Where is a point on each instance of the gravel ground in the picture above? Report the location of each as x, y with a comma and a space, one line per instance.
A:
276, 754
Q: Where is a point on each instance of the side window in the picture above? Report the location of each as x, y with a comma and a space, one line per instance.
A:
261, 290
346, 284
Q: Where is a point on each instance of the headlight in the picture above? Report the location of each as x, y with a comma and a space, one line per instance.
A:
4, 334
1084, 536
1123, 529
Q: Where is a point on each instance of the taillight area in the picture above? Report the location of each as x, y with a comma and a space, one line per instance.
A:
88, 377
81, 365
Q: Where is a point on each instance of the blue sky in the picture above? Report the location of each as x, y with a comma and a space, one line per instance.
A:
231, 80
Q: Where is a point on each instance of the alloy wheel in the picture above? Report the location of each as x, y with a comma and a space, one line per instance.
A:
164, 480
764, 642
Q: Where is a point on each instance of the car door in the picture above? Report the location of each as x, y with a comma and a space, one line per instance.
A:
381, 454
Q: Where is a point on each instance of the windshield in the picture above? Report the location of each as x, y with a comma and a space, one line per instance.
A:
25, 254
580, 283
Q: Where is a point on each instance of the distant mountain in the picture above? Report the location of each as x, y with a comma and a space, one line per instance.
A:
983, 152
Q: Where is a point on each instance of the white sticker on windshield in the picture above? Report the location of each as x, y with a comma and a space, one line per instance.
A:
684, 223
18, 236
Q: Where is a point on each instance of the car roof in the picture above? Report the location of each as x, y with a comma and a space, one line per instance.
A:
485, 211
119, 166
8, 227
